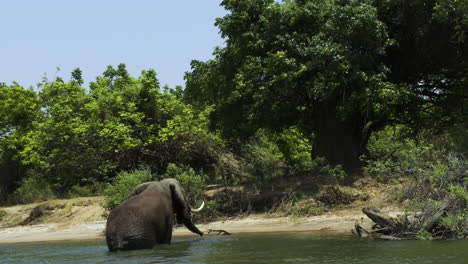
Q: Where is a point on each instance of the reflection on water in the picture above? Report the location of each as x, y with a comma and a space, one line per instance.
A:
251, 248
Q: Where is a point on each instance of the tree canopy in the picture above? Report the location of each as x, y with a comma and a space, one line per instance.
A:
339, 70
297, 83
70, 135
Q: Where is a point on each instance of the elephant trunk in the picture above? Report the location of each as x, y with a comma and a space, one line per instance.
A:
192, 227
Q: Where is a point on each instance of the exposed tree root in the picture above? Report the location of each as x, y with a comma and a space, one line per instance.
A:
403, 226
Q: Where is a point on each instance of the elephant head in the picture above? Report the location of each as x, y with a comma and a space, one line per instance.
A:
181, 207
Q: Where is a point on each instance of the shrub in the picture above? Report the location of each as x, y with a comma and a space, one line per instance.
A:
333, 195
295, 147
298, 205
440, 185
263, 160
456, 224
3, 214
80, 191
95, 189
123, 185
326, 173
33, 188
192, 182
391, 155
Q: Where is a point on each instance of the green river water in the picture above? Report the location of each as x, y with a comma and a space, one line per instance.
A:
247, 248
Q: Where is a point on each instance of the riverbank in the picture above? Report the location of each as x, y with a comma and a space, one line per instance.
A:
82, 219
251, 224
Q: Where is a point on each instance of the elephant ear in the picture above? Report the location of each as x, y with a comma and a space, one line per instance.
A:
178, 202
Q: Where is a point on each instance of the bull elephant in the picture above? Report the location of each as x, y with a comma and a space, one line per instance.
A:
147, 216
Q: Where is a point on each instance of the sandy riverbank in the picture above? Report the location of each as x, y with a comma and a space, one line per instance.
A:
83, 219
340, 221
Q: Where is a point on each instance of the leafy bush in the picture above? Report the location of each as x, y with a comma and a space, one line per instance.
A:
226, 201
442, 185
295, 204
391, 155
192, 182
263, 160
33, 188
86, 191
123, 185
326, 173
3, 214
456, 224
333, 195
295, 147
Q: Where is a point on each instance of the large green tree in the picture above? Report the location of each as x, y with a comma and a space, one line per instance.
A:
19, 107
332, 68
119, 123
429, 57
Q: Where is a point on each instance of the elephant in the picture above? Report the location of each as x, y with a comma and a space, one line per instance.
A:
147, 216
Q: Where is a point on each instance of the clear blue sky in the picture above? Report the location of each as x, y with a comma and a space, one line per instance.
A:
36, 37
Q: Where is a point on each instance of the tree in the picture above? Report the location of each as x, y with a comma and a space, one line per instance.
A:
428, 56
58, 147
313, 64
120, 123
327, 67
19, 108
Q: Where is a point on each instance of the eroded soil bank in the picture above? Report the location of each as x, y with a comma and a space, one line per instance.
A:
83, 219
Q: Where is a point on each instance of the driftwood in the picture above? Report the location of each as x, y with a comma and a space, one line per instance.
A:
37, 212
429, 223
219, 232
400, 227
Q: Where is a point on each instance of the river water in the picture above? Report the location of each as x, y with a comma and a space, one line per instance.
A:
247, 248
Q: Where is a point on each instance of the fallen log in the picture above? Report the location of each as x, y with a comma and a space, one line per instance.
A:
400, 227
430, 222
219, 232
385, 227
382, 220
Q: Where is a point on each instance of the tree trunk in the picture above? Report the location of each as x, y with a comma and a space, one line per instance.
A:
339, 142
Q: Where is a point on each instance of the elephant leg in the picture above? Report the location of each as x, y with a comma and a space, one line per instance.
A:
164, 231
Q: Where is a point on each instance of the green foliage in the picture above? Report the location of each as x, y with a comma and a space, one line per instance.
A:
295, 148
3, 214
424, 235
263, 160
432, 180
295, 204
123, 185
326, 173
456, 223
298, 63
193, 183
459, 192
95, 189
33, 188
333, 195
18, 108
301, 89
332, 66
75, 136
389, 153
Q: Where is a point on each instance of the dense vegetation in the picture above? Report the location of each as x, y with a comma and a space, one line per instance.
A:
319, 92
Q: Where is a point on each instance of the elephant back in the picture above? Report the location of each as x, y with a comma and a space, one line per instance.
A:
126, 228
134, 223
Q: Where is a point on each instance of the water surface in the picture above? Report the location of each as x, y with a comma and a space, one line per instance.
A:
247, 248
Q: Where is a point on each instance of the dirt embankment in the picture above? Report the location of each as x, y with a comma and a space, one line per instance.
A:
83, 218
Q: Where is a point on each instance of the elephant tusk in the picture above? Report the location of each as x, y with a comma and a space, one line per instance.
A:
199, 209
